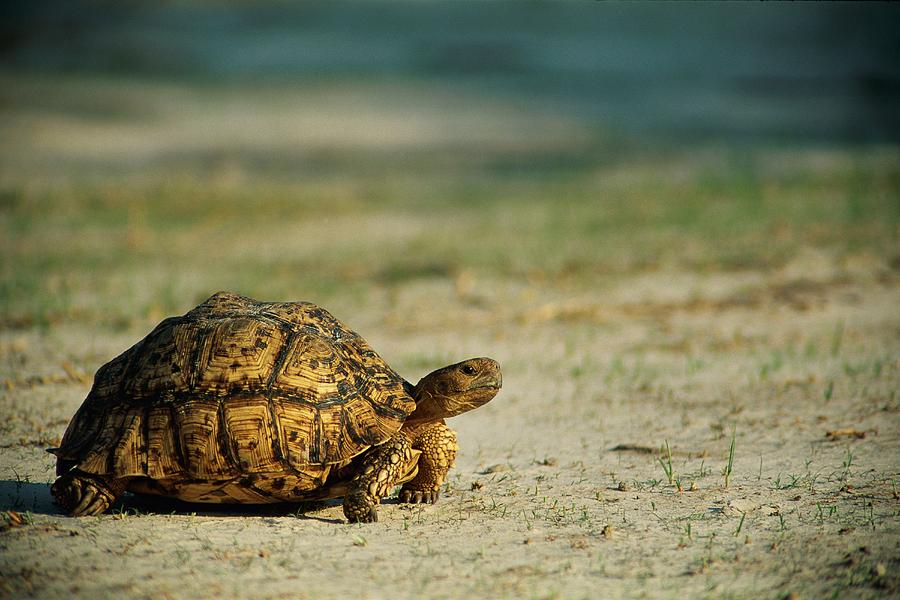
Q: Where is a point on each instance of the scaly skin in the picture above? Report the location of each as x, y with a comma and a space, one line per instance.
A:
80, 494
379, 472
438, 446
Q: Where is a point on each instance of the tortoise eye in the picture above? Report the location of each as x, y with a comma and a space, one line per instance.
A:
468, 369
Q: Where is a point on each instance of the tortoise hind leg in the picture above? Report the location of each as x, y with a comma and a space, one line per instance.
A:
80, 494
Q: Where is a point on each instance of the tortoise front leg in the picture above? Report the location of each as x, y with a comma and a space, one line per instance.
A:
380, 470
438, 446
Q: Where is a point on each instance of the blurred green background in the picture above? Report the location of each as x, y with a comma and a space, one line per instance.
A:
417, 164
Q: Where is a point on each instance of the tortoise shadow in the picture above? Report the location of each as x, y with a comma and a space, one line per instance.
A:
150, 504
146, 503
24, 496
27, 496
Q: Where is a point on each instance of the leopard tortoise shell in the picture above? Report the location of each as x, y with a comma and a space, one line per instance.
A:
240, 401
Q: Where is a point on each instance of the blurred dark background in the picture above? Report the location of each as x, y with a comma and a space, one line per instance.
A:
733, 71
493, 158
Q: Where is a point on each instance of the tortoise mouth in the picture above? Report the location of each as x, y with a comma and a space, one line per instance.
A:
494, 383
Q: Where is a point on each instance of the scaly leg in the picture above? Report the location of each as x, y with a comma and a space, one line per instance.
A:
380, 470
80, 494
438, 446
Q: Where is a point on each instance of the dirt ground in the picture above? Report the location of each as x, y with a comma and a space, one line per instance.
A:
695, 404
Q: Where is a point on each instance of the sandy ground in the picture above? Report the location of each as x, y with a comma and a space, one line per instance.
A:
651, 309
561, 488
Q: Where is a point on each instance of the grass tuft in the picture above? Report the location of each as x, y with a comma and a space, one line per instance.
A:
730, 466
667, 464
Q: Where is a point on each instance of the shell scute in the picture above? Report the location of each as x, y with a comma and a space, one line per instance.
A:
237, 354
299, 432
197, 429
252, 434
161, 364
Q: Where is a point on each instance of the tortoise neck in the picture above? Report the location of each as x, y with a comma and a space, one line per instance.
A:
429, 407
412, 428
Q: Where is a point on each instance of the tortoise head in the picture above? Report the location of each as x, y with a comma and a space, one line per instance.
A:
456, 389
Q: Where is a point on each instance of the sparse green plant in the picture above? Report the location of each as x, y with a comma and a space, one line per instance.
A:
577, 371
704, 470
775, 362
847, 463
730, 466
740, 526
694, 364
707, 558
528, 523
837, 338
852, 370
667, 463
823, 512
829, 391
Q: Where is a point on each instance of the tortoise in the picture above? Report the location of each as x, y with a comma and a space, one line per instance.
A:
241, 401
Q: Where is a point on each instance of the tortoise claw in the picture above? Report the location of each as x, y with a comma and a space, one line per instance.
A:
419, 497
87, 494
97, 506
92, 502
